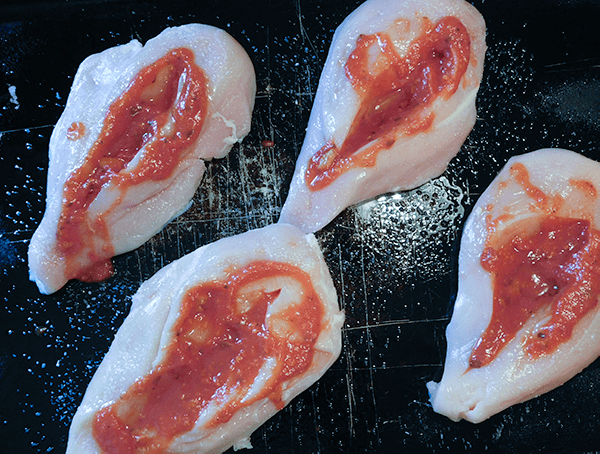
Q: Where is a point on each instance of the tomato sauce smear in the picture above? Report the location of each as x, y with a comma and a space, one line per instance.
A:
76, 131
394, 93
550, 273
162, 112
221, 340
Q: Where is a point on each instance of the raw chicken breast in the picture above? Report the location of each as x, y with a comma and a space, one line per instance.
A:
126, 156
259, 314
395, 102
526, 317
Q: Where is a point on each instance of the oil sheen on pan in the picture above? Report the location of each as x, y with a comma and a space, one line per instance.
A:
127, 154
526, 317
394, 104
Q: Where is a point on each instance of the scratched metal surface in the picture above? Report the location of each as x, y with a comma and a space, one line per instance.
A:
393, 260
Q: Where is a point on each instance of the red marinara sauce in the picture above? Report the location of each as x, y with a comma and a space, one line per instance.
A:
552, 270
221, 340
394, 93
76, 131
163, 110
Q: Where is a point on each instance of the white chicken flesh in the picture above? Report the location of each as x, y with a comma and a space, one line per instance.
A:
215, 344
394, 104
526, 316
127, 154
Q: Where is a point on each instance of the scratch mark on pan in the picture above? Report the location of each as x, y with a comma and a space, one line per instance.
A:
441, 347
180, 247
369, 339
382, 324
276, 176
135, 35
303, 33
226, 218
347, 347
265, 440
29, 128
316, 420
431, 291
18, 241
577, 65
228, 193
292, 427
341, 265
350, 388
139, 262
402, 366
245, 179
269, 89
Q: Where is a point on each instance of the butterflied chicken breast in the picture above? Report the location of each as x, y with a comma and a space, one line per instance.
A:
395, 102
215, 344
526, 316
127, 154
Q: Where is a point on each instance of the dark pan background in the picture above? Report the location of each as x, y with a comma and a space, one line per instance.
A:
393, 260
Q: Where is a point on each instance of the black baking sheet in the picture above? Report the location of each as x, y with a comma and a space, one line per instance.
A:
393, 260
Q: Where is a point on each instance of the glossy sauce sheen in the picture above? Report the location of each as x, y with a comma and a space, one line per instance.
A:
163, 111
216, 353
553, 269
394, 93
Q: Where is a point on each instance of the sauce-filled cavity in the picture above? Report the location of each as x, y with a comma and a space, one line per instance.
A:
223, 343
394, 94
76, 131
547, 270
145, 134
